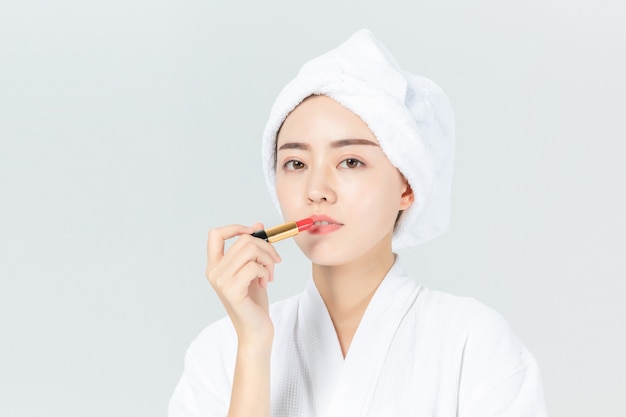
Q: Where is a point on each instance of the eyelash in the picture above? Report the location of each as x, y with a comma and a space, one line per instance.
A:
289, 165
354, 160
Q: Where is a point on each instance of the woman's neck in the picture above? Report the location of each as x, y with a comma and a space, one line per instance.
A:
347, 290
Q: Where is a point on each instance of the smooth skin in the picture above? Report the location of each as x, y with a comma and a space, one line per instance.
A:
329, 163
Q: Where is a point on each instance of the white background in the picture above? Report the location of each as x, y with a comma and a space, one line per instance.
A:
128, 129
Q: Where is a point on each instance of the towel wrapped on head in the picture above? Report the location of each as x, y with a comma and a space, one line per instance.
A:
410, 116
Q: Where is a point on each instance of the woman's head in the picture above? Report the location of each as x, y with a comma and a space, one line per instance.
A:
409, 117
329, 166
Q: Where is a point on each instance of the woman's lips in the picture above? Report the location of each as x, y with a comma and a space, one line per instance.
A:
323, 225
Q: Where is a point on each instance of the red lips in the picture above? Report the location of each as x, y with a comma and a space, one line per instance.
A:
323, 224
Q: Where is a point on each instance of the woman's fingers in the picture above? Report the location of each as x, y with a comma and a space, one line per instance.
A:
240, 276
237, 288
247, 259
246, 250
217, 237
251, 249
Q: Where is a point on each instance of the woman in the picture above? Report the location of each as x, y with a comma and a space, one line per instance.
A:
365, 150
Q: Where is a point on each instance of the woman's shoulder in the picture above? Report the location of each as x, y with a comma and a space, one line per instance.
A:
447, 309
461, 311
495, 365
481, 333
475, 326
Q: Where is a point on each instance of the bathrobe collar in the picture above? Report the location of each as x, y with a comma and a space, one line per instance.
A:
342, 387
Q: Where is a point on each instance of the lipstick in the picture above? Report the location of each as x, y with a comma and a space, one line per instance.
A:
289, 229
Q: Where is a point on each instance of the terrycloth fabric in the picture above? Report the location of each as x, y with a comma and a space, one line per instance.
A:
416, 352
410, 116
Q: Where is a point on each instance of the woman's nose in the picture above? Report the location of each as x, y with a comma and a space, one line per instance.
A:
320, 186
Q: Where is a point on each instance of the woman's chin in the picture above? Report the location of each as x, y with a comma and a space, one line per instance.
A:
336, 250
332, 255
324, 259
325, 255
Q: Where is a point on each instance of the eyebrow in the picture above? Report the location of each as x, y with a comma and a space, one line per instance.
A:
334, 144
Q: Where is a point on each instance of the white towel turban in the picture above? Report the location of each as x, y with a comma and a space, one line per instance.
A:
410, 116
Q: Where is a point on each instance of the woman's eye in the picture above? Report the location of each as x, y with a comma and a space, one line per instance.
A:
293, 165
350, 163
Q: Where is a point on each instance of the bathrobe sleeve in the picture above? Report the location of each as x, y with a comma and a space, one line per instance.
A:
205, 386
499, 376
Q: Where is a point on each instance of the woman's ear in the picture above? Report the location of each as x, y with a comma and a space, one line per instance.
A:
407, 197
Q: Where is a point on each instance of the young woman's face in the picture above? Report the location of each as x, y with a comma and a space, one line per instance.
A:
329, 166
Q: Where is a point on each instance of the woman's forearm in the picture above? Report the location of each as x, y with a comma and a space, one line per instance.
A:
240, 277
251, 383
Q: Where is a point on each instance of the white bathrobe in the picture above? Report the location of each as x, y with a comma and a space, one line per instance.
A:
416, 352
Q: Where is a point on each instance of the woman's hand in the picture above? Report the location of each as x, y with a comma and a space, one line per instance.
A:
240, 278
